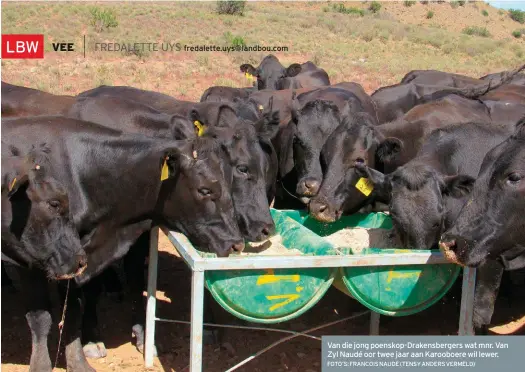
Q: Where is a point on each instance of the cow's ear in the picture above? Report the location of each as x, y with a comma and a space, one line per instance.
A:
389, 149
458, 186
284, 148
249, 69
372, 180
13, 179
293, 70
182, 128
198, 123
268, 125
373, 175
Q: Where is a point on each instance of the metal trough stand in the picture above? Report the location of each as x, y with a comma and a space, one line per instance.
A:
199, 265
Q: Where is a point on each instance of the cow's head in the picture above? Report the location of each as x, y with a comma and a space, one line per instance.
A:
491, 224
419, 198
250, 154
37, 228
342, 189
314, 122
195, 198
271, 72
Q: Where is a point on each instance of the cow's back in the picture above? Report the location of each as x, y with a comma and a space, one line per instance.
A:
18, 101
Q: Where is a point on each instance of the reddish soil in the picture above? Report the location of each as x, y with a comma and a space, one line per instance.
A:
299, 354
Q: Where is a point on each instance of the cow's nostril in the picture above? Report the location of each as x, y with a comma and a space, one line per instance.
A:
82, 261
239, 247
265, 231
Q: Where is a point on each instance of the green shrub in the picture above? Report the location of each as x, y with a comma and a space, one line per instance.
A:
374, 7
517, 15
233, 39
238, 41
454, 4
424, 2
516, 34
102, 19
475, 30
232, 7
485, 13
340, 8
409, 3
430, 14
461, 2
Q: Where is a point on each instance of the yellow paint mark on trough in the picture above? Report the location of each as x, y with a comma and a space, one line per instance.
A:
299, 288
289, 298
396, 275
272, 278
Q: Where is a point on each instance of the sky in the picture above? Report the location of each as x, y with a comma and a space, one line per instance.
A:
508, 4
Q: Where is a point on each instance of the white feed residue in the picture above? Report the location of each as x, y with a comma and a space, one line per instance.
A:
271, 247
359, 238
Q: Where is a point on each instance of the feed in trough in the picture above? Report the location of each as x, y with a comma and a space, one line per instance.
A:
359, 238
271, 247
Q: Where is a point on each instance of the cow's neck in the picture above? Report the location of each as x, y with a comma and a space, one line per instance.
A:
118, 184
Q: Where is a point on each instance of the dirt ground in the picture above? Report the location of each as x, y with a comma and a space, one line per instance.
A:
299, 354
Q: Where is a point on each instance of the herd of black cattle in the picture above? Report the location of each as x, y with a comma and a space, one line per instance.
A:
85, 178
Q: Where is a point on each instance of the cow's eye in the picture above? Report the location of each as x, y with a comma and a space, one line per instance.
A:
514, 178
204, 191
55, 204
242, 168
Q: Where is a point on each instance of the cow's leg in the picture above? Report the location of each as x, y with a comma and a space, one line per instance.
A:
75, 358
34, 287
134, 269
488, 280
93, 346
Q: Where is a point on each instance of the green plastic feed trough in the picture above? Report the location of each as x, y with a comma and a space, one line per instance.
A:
273, 296
389, 290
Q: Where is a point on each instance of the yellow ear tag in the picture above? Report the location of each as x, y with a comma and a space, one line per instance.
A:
249, 76
12, 184
200, 128
365, 186
164, 173
261, 107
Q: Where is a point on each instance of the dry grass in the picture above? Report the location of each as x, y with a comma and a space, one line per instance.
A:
390, 43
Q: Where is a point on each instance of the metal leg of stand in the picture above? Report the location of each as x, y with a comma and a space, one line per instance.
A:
151, 300
197, 314
374, 323
467, 302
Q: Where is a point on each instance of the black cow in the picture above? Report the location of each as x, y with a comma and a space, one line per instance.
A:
248, 148
426, 194
316, 115
120, 185
18, 101
207, 113
225, 94
271, 74
518, 79
394, 101
384, 147
37, 230
39, 238
248, 151
440, 78
510, 93
489, 232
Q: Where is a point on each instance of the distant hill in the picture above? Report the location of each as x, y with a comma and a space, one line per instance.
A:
347, 39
